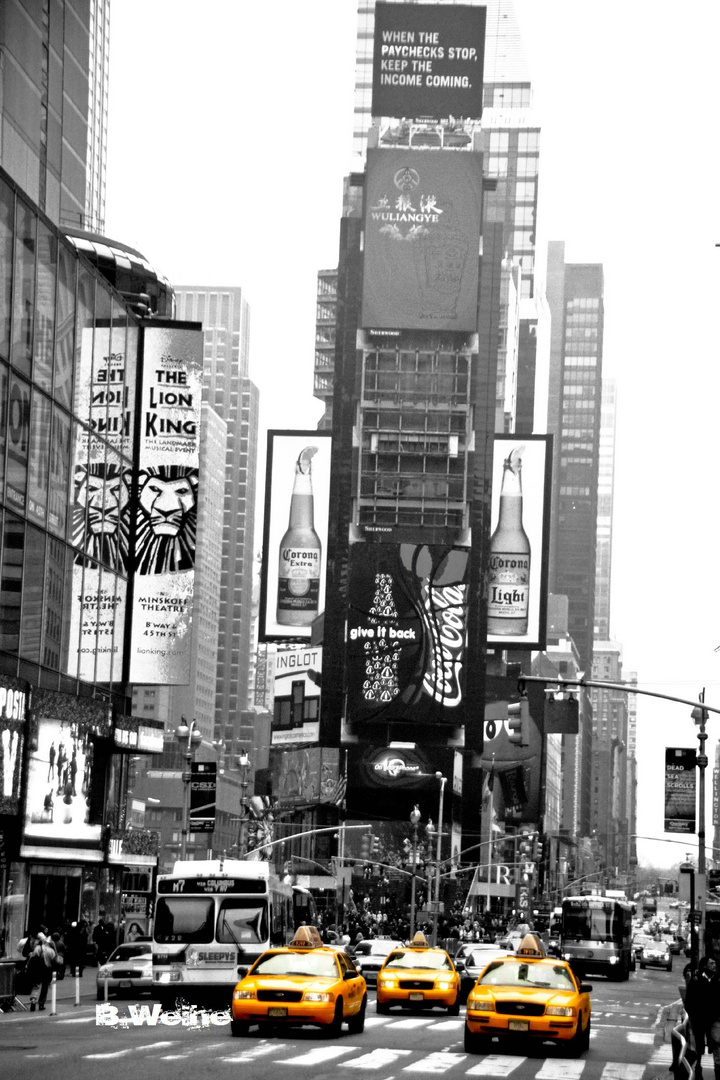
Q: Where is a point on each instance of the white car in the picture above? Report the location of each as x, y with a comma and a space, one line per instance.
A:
127, 971
369, 956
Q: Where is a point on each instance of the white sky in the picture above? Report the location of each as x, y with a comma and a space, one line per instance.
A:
230, 131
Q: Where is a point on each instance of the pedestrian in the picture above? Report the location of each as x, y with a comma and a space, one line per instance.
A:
40, 968
702, 1003
76, 942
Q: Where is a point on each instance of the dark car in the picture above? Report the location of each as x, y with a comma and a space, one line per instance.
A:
369, 956
471, 959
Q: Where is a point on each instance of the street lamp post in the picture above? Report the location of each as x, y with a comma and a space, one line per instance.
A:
191, 735
700, 716
436, 905
414, 822
244, 763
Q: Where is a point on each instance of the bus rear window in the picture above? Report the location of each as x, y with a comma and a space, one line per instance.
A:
187, 919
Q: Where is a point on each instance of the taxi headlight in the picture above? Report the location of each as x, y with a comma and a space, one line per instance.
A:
104, 973
315, 996
614, 959
167, 976
244, 995
388, 984
559, 1010
480, 1006
443, 986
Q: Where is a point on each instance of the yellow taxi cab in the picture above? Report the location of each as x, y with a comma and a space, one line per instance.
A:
418, 976
305, 983
528, 995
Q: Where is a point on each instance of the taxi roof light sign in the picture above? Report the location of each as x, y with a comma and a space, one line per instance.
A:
531, 946
306, 937
419, 941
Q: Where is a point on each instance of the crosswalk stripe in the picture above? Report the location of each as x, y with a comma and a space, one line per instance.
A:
438, 1062
412, 1022
319, 1056
662, 1056
645, 1038
617, 1070
376, 1059
448, 1025
495, 1065
560, 1070
252, 1053
77, 1020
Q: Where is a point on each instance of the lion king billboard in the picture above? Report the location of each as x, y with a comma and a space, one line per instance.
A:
164, 503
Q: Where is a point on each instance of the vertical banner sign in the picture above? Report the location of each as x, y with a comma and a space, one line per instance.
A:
428, 60
105, 401
422, 239
165, 506
203, 783
715, 798
680, 797
297, 497
519, 541
13, 726
407, 633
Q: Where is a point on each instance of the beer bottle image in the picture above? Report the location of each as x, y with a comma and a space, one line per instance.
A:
298, 594
509, 557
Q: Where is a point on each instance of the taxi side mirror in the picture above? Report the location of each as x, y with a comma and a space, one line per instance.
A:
350, 975
585, 988
242, 970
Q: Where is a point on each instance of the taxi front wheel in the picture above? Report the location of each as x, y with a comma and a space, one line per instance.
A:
356, 1024
239, 1027
454, 1010
382, 1007
335, 1026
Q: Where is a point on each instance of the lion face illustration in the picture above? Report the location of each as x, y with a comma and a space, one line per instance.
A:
166, 519
100, 527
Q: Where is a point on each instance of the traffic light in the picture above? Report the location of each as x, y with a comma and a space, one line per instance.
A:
518, 723
374, 844
525, 848
538, 849
366, 845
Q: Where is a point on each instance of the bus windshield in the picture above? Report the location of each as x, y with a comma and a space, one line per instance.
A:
184, 918
242, 920
596, 923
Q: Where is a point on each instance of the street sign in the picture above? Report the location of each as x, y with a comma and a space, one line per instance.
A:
694, 917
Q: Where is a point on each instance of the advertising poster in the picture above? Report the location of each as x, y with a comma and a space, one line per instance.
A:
203, 784
519, 541
407, 633
60, 780
297, 497
680, 799
105, 400
165, 505
296, 713
309, 775
428, 60
13, 705
422, 240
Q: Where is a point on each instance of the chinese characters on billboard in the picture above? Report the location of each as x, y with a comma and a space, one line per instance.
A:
422, 238
297, 497
680, 790
407, 630
428, 60
519, 541
165, 509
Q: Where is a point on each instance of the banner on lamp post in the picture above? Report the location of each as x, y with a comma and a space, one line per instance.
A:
680, 798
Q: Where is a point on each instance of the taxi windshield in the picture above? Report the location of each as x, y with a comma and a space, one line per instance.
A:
316, 964
520, 973
433, 961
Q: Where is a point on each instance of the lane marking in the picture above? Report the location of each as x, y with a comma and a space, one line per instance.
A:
375, 1059
495, 1065
319, 1056
438, 1062
560, 1070
616, 1070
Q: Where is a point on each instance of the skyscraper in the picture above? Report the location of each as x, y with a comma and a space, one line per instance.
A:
225, 316
606, 481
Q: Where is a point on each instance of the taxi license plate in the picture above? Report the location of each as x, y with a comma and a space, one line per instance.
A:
518, 1025
277, 1011
125, 984
415, 997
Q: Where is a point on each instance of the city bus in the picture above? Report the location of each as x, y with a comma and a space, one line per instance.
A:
213, 915
596, 935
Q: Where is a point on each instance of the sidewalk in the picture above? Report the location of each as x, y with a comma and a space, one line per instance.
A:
64, 994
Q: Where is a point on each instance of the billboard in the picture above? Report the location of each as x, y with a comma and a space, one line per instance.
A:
203, 784
165, 502
422, 240
428, 61
13, 706
296, 712
680, 790
519, 541
105, 401
306, 776
297, 498
407, 633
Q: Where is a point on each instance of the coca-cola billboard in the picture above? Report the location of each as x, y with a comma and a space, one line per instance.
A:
407, 633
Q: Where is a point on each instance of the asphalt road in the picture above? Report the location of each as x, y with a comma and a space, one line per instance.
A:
626, 1044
